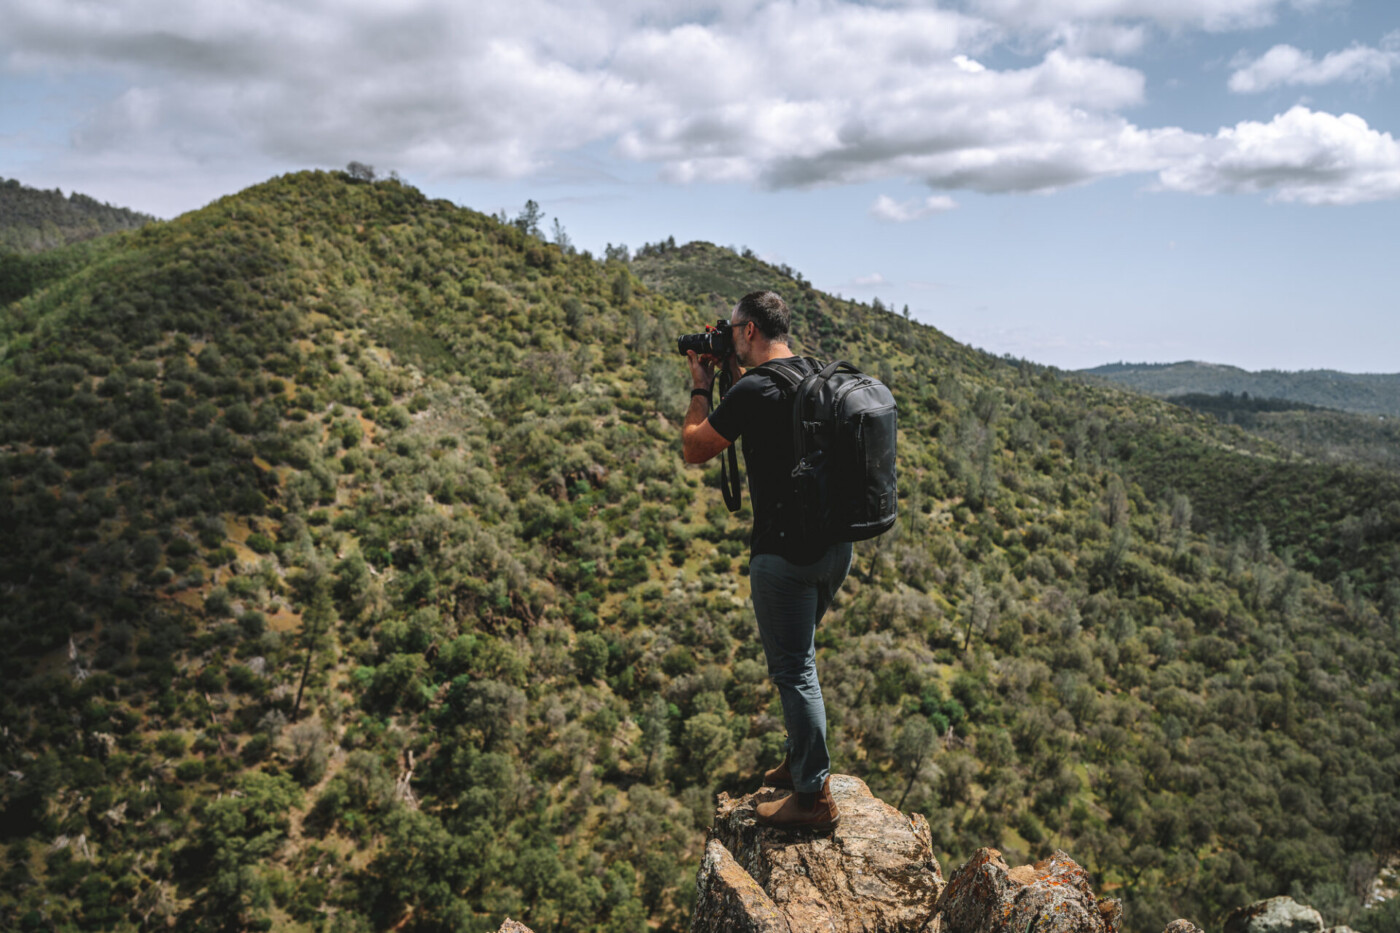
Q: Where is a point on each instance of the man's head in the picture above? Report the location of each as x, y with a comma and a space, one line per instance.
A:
759, 318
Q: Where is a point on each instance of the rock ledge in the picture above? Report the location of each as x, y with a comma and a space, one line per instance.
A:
875, 873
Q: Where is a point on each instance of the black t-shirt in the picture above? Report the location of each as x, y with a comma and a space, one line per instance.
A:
755, 409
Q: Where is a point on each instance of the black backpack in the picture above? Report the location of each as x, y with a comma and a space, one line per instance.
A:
844, 426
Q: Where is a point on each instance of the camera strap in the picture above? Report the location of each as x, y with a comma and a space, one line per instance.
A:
729, 462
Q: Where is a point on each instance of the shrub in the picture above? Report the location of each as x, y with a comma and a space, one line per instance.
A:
253, 623
260, 543
217, 603
591, 656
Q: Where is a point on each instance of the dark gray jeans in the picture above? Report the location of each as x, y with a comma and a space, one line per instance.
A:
789, 600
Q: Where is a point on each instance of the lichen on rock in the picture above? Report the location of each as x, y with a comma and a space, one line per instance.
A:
1274, 915
1051, 896
728, 898
875, 873
1182, 926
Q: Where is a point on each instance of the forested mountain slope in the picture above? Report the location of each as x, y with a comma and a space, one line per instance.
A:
32, 220
352, 580
1309, 432
1364, 393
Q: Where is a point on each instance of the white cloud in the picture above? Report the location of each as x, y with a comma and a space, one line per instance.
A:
1286, 65
873, 280
426, 86
990, 130
1210, 15
1300, 156
790, 93
887, 208
1080, 38
780, 93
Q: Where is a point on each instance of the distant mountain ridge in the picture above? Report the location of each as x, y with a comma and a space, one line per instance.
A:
33, 220
1365, 393
1362, 392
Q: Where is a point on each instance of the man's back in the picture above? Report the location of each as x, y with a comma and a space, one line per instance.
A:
758, 408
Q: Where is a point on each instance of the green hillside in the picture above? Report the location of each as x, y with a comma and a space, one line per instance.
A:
1312, 433
352, 580
32, 220
1364, 393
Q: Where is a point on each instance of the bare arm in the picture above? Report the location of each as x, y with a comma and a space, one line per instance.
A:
699, 440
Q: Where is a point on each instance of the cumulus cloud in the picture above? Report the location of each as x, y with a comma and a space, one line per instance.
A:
1210, 15
1301, 156
887, 208
421, 85
1015, 130
1091, 38
788, 94
778, 93
1286, 65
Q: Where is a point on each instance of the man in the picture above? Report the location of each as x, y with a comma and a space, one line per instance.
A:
792, 580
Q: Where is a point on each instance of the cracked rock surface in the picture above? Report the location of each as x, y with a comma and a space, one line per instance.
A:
1051, 896
1274, 915
875, 873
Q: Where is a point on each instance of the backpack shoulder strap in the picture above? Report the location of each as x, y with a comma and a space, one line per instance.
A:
826, 372
787, 375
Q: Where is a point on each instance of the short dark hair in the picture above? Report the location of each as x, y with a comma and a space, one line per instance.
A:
769, 312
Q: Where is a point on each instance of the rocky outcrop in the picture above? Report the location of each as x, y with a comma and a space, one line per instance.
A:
101, 745
1051, 896
76, 667
1275, 915
728, 898
78, 843
1182, 926
875, 873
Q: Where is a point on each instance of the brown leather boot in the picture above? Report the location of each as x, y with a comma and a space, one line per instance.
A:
812, 811
781, 776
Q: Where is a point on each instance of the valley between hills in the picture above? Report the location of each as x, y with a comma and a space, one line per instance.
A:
351, 579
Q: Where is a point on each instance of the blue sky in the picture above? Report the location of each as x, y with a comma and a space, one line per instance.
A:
1071, 181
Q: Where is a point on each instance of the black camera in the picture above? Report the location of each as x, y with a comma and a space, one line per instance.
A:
717, 340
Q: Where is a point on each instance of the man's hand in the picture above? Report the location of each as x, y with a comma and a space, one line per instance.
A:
702, 370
